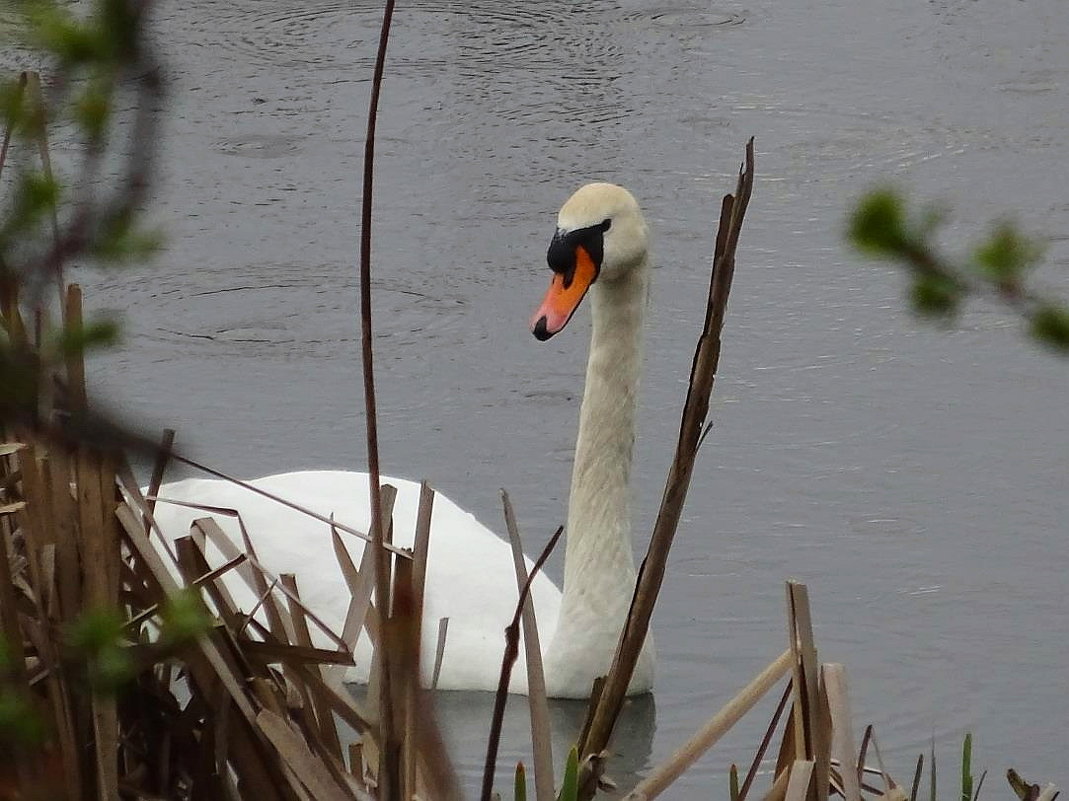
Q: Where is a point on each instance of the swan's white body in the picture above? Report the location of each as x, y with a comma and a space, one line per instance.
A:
470, 575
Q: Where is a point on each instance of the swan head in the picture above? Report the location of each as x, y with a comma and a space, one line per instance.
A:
601, 237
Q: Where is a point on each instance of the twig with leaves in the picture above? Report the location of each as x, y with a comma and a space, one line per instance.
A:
997, 268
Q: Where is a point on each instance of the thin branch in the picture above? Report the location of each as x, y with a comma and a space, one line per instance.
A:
751, 774
389, 761
394, 549
695, 411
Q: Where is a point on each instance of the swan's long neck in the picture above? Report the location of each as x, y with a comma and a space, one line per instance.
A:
599, 572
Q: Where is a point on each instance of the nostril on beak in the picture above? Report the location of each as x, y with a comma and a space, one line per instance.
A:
540, 330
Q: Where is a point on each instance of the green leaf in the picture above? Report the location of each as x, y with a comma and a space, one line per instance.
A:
94, 631
92, 110
35, 195
733, 780
1050, 325
569, 789
56, 30
19, 723
94, 334
121, 241
521, 783
96, 640
934, 295
1006, 254
966, 768
878, 224
184, 618
111, 668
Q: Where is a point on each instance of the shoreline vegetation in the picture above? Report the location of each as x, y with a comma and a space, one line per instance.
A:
126, 670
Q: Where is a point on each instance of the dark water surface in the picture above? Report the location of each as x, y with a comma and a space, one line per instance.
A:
915, 478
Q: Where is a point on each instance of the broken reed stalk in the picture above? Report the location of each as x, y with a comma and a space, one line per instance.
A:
541, 740
512, 649
809, 736
672, 768
834, 676
389, 777
799, 780
159, 467
695, 411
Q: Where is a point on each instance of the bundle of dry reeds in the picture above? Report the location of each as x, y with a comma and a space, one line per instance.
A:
123, 682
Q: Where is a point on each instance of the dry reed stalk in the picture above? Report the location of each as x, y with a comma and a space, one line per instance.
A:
294, 751
421, 544
672, 768
221, 660
809, 732
439, 650
401, 651
512, 649
417, 732
778, 791
755, 764
388, 777
890, 786
866, 738
159, 467
72, 314
1048, 793
377, 614
834, 676
257, 579
800, 780
538, 703
361, 582
692, 424
323, 717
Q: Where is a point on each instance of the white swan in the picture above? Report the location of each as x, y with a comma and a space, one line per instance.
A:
600, 245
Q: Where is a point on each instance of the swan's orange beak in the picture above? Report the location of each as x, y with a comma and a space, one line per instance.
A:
564, 296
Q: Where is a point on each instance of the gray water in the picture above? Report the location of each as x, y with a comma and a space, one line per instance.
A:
915, 478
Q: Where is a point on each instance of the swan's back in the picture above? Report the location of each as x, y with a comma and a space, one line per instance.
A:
470, 575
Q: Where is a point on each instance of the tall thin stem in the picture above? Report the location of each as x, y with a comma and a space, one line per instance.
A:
389, 777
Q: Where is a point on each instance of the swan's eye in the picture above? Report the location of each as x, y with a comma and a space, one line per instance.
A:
605, 225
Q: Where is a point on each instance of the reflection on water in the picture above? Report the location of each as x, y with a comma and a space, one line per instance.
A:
916, 479
465, 718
